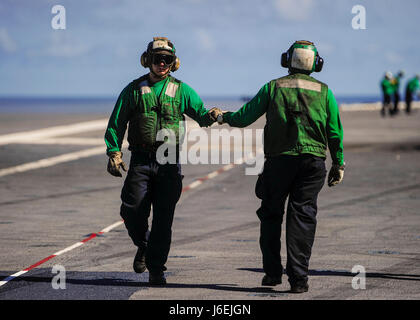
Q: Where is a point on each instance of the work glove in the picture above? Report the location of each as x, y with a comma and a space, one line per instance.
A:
336, 174
115, 162
214, 113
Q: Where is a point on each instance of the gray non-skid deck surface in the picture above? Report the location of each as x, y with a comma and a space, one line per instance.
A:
371, 219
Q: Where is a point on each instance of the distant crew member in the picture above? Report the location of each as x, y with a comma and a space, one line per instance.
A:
387, 93
412, 86
396, 83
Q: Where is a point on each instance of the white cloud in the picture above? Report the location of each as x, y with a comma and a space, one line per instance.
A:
6, 42
66, 50
205, 40
294, 10
60, 47
63, 46
393, 57
372, 48
325, 48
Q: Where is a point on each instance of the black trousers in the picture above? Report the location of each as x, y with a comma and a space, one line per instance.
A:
301, 179
397, 99
386, 104
408, 100
150, 184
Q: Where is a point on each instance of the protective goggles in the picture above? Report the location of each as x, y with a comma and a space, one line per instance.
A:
165, 58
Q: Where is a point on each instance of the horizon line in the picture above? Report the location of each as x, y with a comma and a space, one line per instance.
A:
211, 96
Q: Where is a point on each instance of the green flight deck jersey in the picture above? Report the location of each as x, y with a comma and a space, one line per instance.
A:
413, 85
396, 83
148, 108
302, 117
387, 87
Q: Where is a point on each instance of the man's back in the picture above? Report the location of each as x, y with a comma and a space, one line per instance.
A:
413, 84
296, 116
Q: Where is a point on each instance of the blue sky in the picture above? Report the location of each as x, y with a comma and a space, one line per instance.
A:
226, 47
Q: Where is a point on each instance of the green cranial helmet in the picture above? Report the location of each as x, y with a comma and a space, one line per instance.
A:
302, 57
161, 44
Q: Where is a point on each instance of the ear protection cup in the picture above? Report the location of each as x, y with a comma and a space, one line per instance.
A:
176, 64
284, 62
144, 60
319, 63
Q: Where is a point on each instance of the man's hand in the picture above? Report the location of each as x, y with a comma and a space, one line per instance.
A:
115, 162
220, 118
335, 175
214, 113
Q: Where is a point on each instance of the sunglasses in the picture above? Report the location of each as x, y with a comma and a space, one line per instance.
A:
166, 59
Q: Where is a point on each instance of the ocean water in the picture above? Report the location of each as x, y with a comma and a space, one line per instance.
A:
106, 105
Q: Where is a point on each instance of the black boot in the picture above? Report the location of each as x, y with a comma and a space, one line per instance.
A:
270, 281
139, 264
299, 287
157, 279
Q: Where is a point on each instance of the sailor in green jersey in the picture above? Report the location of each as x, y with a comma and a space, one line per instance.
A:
154, 102
302, 121
396, 84
387, 93
412, 86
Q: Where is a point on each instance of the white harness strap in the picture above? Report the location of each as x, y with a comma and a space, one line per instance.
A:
145, 89
171, 89
299, 84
